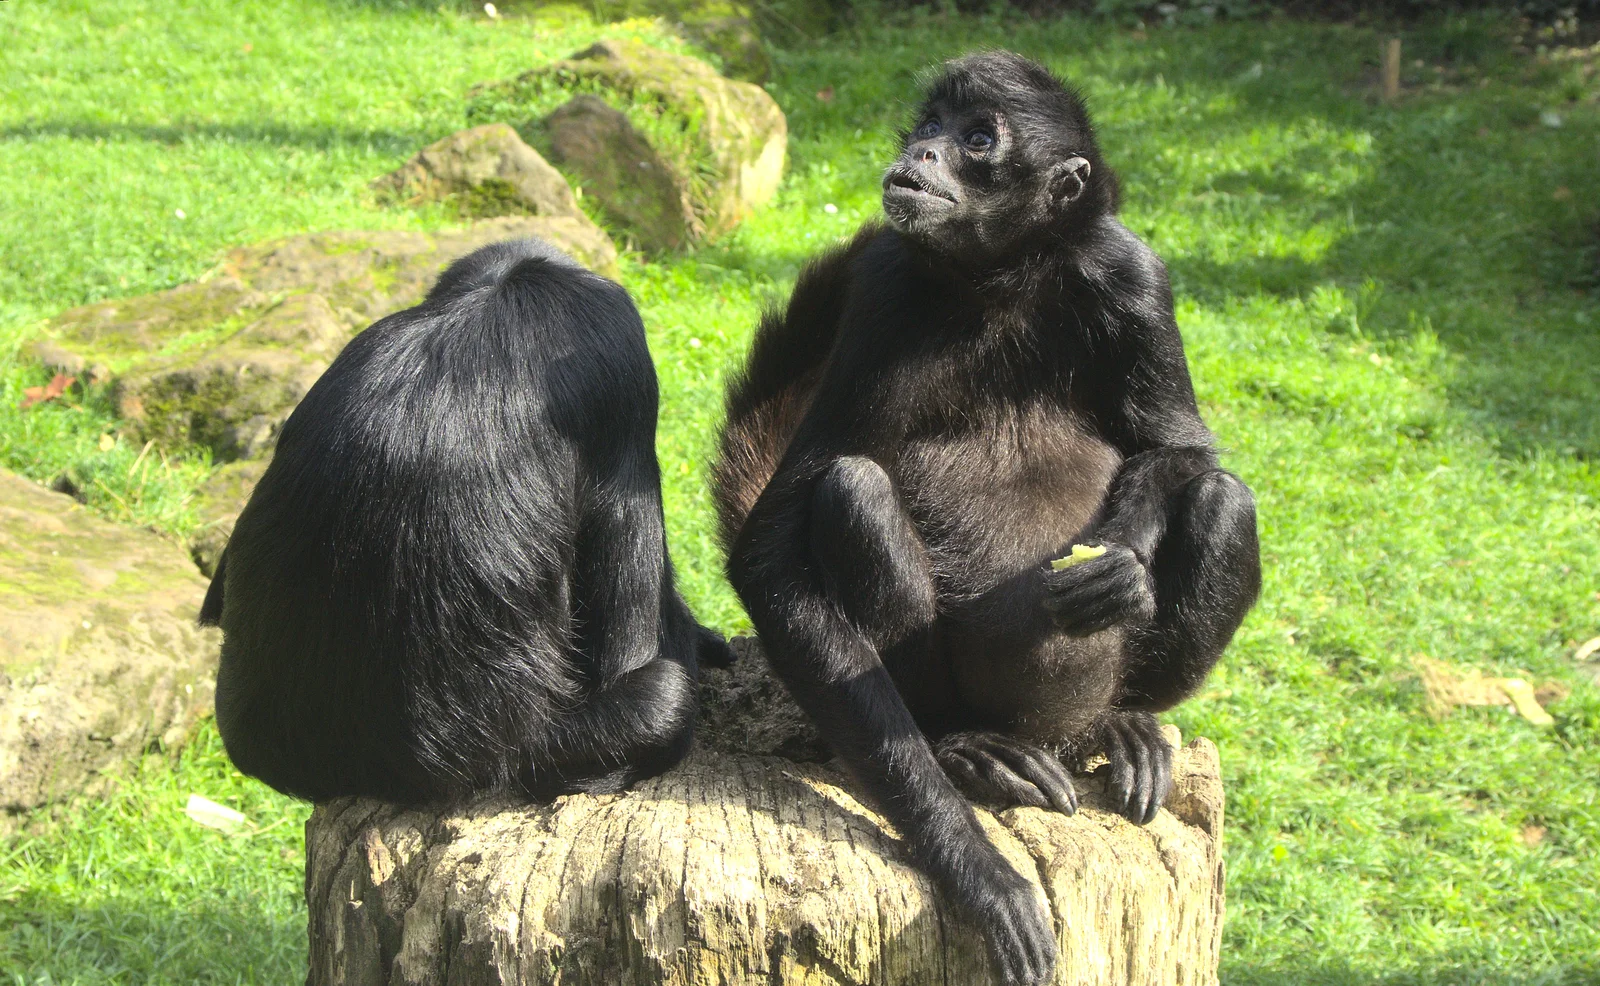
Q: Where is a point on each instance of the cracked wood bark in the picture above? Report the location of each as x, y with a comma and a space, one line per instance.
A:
737, 870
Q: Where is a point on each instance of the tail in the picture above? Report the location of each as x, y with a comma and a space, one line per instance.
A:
768, 399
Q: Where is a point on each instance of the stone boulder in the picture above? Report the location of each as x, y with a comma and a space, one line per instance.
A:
721, 142
222, 362
621, 169
725, 28
100, 657
487, 171
727, 31
231, 397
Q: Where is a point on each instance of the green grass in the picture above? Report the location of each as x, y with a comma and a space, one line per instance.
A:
1393, 323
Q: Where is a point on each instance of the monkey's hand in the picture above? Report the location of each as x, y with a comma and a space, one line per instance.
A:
1015, 923
1101, 592
1138, 764
998, 770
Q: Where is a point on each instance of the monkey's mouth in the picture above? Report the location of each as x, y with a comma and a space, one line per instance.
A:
906, 184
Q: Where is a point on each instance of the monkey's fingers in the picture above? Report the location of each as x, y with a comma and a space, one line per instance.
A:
1094, 595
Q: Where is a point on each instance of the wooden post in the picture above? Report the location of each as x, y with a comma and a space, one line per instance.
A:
1391, 70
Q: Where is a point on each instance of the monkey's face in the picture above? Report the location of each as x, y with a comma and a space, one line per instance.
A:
946, 183
978, 180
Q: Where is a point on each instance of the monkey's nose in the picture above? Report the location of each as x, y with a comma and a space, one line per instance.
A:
930, 156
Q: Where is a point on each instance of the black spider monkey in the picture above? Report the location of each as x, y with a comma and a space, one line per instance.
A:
453, 576
948, 403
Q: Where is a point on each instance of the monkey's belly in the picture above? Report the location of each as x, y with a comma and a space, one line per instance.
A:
994, 506
1047, 689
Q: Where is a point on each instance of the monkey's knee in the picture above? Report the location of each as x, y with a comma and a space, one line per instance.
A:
871, 555
1216, 534
1218, 500
1208, 575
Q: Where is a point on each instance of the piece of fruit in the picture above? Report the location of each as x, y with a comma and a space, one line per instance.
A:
1080, 554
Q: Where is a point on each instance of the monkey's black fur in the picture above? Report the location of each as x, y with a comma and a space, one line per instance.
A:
453, 577
947, 404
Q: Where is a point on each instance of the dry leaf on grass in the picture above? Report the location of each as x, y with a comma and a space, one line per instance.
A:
1448, 688
48, 392
1588, 658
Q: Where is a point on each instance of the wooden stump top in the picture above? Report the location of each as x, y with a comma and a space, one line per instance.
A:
734, 870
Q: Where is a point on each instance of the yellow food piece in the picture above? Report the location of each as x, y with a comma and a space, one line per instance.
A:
1080, 554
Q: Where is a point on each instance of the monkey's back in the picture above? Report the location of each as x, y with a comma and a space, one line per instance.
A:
398, 589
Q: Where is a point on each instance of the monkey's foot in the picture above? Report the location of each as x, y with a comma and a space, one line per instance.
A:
1138, 765
998, 769
712, 651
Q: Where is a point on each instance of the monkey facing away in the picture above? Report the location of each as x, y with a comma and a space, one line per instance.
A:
948, 403
453, 575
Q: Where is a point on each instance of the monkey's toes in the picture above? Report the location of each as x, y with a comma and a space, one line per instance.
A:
1138, 764
999, 770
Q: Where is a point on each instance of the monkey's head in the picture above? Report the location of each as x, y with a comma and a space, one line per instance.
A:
1001, 158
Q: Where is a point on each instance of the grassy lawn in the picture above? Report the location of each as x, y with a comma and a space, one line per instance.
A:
1393, 318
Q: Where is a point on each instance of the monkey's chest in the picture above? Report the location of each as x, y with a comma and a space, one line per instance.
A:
1002, 496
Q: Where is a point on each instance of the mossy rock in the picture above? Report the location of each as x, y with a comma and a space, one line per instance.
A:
721, 142
485, 172
726, 30
723, 29
100, 657
639, 187
232, 397
220, 364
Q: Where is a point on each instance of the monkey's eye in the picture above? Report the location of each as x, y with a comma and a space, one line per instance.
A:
980, 140
928, 129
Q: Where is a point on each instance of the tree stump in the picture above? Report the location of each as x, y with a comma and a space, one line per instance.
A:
738, 870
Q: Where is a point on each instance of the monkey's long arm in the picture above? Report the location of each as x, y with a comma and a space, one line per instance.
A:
1189, 525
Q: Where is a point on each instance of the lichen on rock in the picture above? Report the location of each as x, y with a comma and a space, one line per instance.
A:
721, 142
100, 656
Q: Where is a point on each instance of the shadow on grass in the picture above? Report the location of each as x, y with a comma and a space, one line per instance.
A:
319, 138
209, 939
1474, 221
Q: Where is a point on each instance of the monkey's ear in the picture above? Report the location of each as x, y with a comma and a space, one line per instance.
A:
1068, 180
